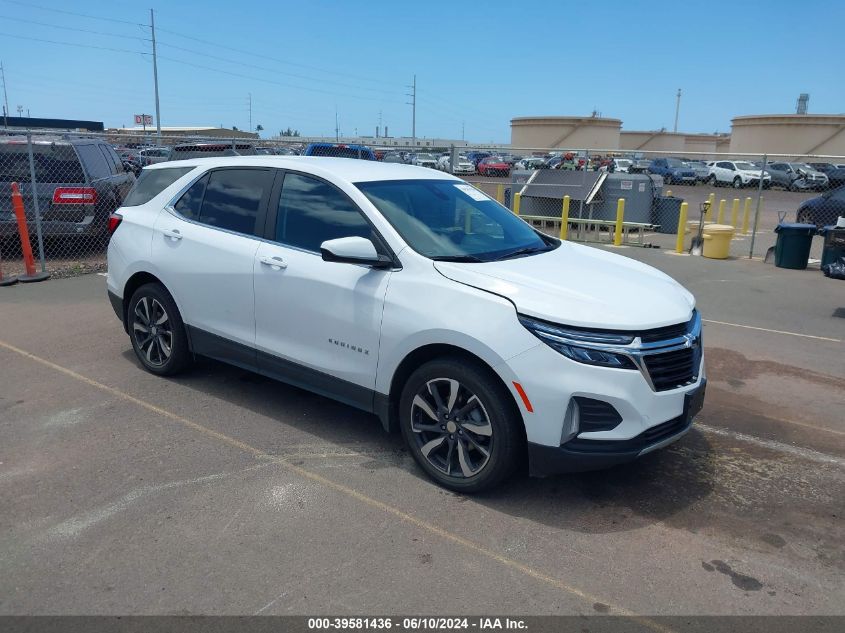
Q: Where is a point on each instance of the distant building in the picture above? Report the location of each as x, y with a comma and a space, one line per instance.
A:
399, 142
19, 123
190, 132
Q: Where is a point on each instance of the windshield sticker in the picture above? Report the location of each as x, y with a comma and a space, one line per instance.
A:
472, 192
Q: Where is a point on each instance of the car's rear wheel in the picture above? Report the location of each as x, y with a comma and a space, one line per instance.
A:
460, 424
157, 331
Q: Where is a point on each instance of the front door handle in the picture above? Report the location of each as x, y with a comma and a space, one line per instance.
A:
276, 262
173, 234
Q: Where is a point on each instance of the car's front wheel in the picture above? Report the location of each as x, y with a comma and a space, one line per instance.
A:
157, 331
460, 424
712, 180
805, 217
737, 183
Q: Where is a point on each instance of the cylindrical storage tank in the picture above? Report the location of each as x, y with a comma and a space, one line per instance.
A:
790, 134
565, 132
696, 145
657, 141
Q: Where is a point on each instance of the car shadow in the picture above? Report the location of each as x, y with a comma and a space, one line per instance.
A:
665, 486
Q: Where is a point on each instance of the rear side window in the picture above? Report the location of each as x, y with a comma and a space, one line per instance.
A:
233, 198
94, 161
54, 163
312, 211
152, 182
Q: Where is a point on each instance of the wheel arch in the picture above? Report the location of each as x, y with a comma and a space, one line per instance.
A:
388, 410
132, 284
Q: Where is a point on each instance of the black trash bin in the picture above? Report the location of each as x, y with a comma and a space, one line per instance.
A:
792, 249
834, 244
665, 213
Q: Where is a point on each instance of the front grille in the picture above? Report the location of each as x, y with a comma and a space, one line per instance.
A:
671, 370
667, 332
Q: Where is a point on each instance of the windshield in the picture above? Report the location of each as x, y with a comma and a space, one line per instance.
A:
744, 165
674, 162
448, 220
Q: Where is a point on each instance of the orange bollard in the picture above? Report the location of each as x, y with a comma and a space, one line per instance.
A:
29, 262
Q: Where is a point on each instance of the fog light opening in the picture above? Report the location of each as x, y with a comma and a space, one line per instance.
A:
570, 422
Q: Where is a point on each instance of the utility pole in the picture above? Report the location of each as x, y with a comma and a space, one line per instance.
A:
250, 112
413, 104
677, 110
462, 131
5, 97
336, 128
155, 74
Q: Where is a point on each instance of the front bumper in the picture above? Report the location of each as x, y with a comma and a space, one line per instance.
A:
580, 455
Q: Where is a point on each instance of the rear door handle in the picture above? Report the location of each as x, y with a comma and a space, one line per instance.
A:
276, 262
173, 234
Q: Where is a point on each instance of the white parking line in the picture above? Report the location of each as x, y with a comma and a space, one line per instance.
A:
798, 451
765, 329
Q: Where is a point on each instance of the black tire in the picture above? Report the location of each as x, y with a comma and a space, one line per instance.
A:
805, 217
712, 181
737, 183
151, 308
667, 179
465, 460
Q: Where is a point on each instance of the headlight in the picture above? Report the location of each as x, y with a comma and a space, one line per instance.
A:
590, 347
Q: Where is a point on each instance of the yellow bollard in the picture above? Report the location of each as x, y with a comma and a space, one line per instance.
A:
682, 227
620, 215
746, 216
708, 217
668, 193
735, 213
564, 218
500, 194
517, 198
721, 217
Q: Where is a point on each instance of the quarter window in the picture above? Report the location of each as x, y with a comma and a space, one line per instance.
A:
312, 211
189, 204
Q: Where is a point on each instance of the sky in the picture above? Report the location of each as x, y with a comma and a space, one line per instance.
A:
477, 64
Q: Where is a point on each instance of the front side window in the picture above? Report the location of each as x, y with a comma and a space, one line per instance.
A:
448, 220
312, 211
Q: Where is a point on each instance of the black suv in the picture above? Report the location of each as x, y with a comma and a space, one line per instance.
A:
79, 183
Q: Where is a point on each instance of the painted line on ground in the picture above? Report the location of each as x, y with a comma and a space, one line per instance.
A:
798, 451
403, 516
764, 329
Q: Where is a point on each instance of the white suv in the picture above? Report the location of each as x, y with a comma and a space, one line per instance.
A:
737, 173
408, 293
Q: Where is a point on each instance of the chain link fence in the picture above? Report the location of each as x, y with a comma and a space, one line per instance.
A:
69, 184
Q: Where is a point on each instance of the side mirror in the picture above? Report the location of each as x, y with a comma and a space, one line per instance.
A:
354, 250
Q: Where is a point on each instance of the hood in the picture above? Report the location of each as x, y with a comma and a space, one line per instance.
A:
581, 286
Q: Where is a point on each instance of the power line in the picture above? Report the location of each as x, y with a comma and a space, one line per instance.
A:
45, 41
262, 68
80, 15
73, 28
270, 81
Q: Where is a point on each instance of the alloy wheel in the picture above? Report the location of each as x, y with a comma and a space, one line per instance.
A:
152, 331
451, 428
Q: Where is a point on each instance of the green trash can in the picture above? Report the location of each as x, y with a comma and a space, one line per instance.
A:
792, 249
834, 244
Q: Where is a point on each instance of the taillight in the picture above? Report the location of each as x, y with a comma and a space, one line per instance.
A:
75, 195
114, 221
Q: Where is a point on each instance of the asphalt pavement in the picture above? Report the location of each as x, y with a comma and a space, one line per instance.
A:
222, 492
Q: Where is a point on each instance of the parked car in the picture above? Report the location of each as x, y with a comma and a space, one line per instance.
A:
476, 157
493, 166
464, 166
737, 173
702, 171
343, 274
211, 150
795, 176
153, 155
822, 210
393, 157
79, 182
339, 150
836, 177
639, 166
622, 164
531, 163
673, 171
424, 160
